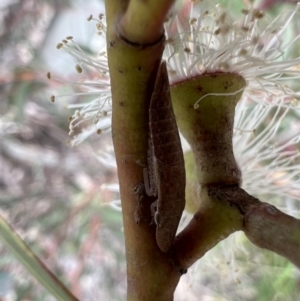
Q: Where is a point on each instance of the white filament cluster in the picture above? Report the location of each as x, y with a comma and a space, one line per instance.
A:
255, 47
93, 115
270, 159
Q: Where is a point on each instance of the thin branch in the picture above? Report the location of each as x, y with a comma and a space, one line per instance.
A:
264, 225
213, 222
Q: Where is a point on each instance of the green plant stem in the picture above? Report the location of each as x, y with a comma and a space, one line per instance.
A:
192, 189
208, 127
151, 274
143, 21
213, 222
269, 228
264, 225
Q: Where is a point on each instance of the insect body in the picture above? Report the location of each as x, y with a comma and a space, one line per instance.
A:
165, 177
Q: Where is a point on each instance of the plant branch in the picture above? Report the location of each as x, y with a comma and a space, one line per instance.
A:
151, 274
213, 222
204, 107
264, 225
142, 23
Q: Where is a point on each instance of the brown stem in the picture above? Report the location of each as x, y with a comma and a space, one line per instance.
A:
213, 222
264, 225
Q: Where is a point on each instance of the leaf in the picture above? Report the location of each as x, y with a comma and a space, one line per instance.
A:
32, 263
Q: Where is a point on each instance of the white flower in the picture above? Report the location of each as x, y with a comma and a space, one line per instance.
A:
269, 160
94, 114
210, 40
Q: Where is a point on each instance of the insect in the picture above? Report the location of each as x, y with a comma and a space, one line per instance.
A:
165, 175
